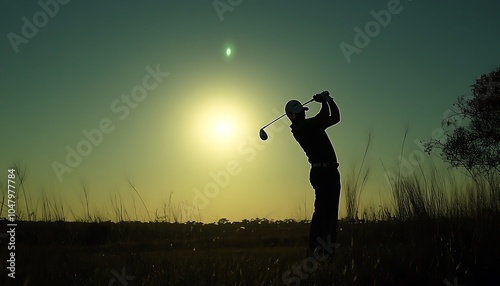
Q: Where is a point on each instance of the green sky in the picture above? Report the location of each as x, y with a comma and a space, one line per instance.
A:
193, 121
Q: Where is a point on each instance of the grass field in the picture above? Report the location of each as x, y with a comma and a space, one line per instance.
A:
425, 237
259, 252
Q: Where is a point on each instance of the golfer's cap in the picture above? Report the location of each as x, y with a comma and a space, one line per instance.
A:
294, 107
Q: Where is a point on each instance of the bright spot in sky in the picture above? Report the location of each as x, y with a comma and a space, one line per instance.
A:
228, 51
219, 122
222, 128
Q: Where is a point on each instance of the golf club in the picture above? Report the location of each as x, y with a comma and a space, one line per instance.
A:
263, 134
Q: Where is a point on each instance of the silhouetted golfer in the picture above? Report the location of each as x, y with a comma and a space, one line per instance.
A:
324, 176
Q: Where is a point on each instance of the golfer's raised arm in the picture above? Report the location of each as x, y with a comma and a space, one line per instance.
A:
334, 111
329, 113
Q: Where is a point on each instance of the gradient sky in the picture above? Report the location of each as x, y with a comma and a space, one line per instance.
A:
66, 78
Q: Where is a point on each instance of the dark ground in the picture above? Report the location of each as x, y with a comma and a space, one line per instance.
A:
258, 252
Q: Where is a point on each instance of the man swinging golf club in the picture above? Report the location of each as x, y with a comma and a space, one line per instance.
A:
324, 176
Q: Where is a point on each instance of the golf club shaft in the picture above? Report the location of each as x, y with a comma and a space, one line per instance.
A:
285, 114
274, 121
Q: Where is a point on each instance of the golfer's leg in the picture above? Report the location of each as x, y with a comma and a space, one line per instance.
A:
314, 232
321, 221
334, 199
317, 221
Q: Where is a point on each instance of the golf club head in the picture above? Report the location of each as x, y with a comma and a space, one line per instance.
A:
263, 134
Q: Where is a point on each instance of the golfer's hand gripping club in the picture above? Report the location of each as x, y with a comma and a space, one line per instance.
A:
322, 97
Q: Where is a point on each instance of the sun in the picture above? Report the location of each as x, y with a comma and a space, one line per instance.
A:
222, 128
219, 123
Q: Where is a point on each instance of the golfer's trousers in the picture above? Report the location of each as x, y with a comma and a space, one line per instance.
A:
326, 184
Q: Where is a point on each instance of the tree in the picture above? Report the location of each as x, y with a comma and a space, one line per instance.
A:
472, 133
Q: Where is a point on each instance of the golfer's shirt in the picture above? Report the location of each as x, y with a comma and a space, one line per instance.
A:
311, 136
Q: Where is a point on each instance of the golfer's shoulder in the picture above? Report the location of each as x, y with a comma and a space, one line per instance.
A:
306, 124
313, 121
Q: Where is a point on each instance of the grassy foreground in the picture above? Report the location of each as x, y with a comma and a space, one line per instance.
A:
258, 252
438, 230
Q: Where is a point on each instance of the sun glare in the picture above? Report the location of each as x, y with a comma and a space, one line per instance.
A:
220, 123
222, 128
